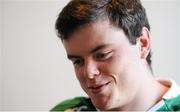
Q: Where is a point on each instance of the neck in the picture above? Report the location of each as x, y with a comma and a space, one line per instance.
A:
150, 93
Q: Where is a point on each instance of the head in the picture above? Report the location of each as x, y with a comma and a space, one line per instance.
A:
107, 41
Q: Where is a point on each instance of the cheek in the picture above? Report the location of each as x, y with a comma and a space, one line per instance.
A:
79, 75
114, 65
125, 70
82, 80
118, 68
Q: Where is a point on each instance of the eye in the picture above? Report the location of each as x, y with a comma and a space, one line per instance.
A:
103, 55
77, 62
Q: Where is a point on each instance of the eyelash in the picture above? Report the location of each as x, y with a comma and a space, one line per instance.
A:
78, 62
98, 56
103, 56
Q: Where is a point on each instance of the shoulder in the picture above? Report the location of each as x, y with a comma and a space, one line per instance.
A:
75, 104
172, 104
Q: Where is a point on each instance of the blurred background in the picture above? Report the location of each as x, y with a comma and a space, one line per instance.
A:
34, 72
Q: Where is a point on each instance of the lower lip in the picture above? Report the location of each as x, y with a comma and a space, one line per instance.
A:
99, 89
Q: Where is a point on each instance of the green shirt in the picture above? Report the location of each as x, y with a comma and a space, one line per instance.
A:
75, 104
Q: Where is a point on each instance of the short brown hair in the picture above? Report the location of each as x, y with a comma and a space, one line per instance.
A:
128, 15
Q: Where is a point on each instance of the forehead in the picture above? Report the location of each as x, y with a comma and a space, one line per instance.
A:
92, 35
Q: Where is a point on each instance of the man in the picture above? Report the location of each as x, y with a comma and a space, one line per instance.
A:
109, 44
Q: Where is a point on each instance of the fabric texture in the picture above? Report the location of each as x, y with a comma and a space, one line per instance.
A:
171, 104
75, 104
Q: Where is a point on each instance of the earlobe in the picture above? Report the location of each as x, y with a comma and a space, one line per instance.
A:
145, 43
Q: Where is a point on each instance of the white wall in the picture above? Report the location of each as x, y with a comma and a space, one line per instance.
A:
35, 70
0, 55
179, 43
36, 74
164, 19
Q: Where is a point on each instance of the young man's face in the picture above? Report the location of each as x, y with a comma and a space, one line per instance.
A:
106, 64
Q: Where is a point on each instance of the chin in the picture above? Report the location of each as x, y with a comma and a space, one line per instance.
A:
102, 105
105, 108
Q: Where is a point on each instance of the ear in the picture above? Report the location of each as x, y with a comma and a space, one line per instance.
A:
144, 43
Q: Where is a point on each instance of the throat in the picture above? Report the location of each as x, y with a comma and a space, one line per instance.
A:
147, 98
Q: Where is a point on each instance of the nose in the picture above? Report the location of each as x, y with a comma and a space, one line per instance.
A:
91, 70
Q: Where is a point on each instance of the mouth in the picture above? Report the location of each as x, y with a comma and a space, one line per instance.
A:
95, 89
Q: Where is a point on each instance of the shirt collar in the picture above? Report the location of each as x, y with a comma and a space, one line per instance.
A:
171, 93
173, 88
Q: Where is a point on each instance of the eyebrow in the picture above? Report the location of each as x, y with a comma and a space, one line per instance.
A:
72, 56
69, 56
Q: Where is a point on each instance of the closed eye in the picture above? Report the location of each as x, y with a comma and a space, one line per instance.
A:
103, 55
77, 61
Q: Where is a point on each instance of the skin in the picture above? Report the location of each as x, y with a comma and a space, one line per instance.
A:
113, 72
